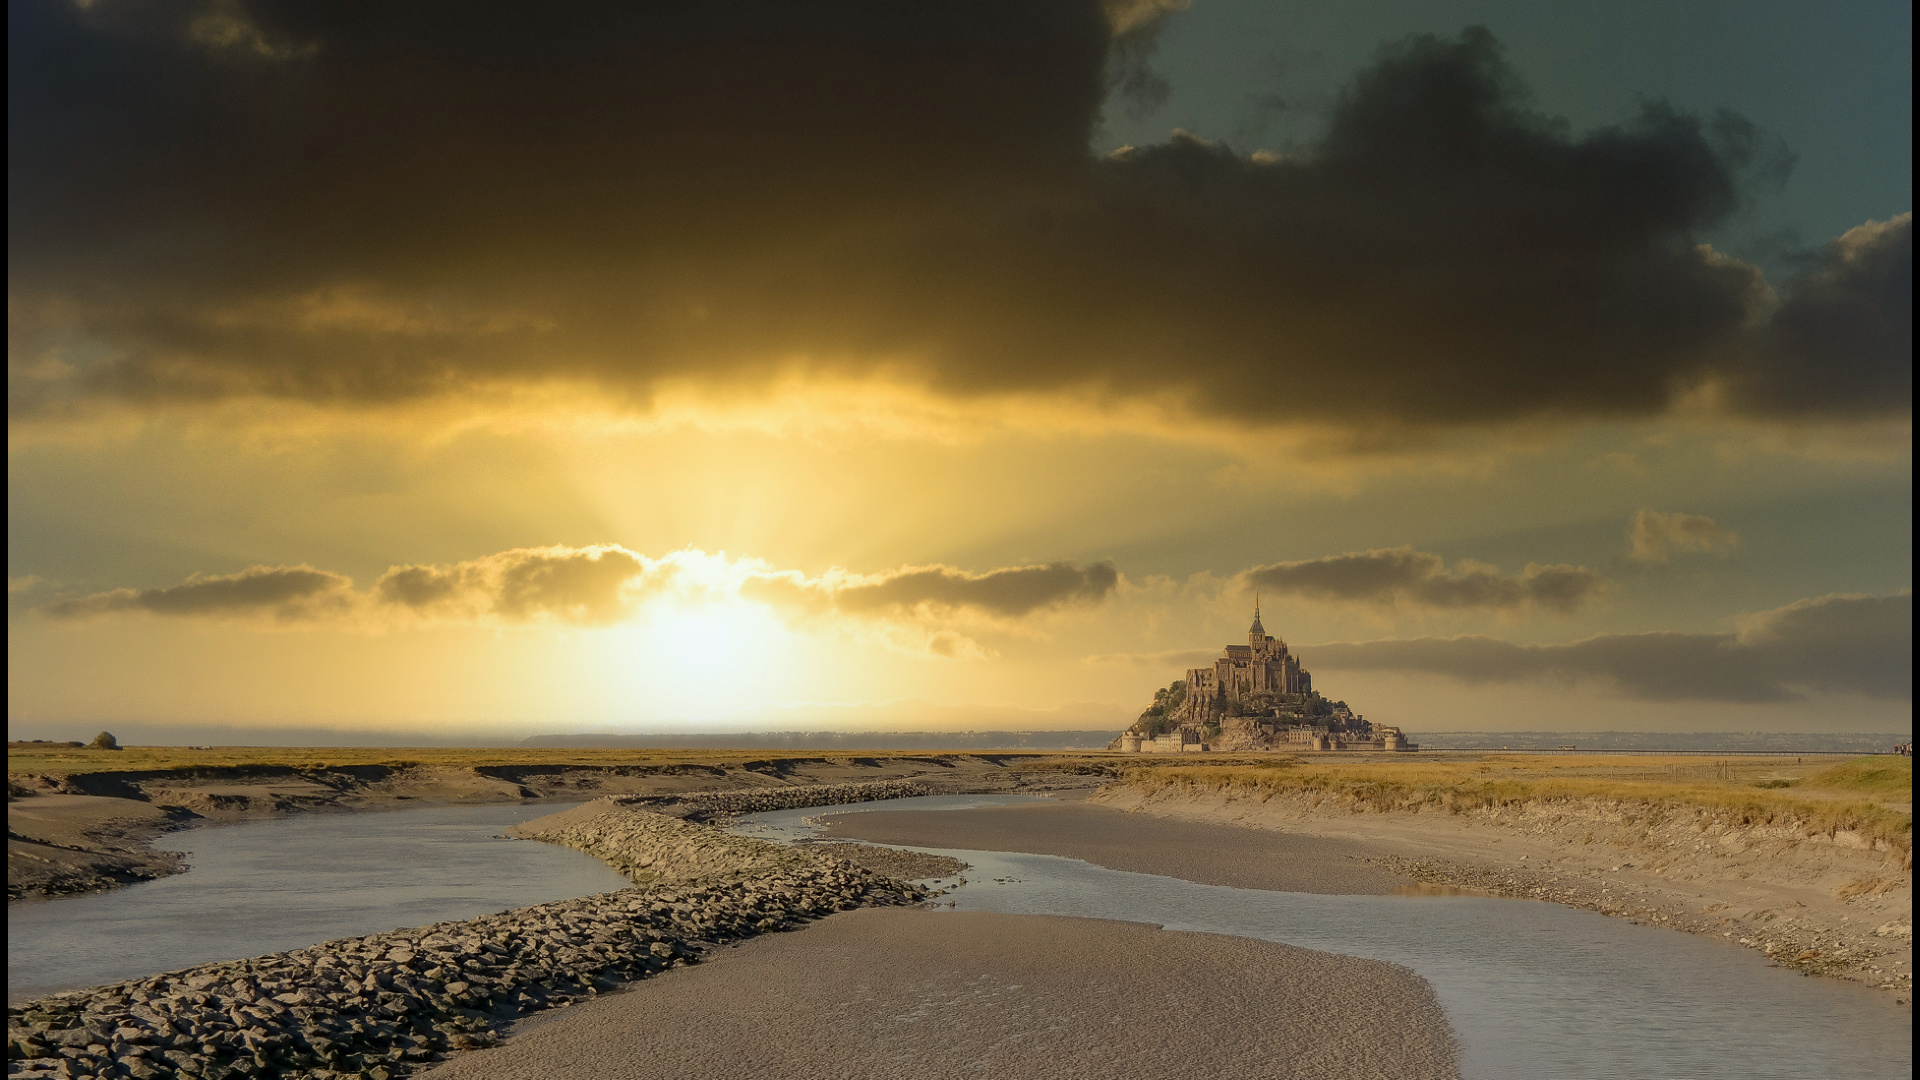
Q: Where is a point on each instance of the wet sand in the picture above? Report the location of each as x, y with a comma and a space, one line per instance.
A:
911, 994
1195, 851
1778, 891
62, 844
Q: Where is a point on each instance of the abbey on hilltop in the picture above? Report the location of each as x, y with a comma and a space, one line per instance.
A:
1255, 697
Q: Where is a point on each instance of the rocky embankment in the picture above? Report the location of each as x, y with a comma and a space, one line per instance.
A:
710, 804
892, 862
379, 1006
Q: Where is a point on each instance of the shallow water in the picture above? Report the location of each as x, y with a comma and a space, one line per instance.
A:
1531, 989
291, 882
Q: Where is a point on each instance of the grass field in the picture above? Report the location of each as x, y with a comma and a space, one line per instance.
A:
62, 761
1872, 795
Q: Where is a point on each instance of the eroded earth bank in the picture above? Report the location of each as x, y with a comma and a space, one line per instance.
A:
1829, 903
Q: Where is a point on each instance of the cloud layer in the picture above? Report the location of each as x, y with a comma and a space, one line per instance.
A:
606, 583
1009, 593
1655, 537
1850, 644
1405, 577
577, 585
369, 203
282, 593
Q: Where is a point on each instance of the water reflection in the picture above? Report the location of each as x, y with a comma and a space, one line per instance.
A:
285, 884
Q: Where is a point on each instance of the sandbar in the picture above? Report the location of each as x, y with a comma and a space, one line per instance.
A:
1203, 852
911, 993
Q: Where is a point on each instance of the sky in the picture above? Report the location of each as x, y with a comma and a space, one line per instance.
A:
479, 371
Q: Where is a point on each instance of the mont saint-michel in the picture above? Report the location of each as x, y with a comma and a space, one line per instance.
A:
1254, 697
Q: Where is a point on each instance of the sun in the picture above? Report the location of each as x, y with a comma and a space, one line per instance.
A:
698, 657
710, 636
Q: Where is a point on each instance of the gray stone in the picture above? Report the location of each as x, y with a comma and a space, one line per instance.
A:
701, 883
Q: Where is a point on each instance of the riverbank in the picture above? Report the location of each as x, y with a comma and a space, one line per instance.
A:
920, 995
1165, 845
1823, 905
65, 845
81, 820
378, 1006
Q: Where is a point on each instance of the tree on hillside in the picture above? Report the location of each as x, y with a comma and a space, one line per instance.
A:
1158, 717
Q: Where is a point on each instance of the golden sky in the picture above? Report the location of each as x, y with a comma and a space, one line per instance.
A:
827, 366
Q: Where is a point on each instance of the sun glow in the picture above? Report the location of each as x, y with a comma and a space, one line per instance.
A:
696, 658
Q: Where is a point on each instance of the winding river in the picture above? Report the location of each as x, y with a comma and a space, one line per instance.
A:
287, 883
1532, 989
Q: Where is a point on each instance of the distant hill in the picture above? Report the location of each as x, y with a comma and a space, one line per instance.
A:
843, 740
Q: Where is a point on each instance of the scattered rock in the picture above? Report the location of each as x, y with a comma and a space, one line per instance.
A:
385, 1005
711, 804
891, 862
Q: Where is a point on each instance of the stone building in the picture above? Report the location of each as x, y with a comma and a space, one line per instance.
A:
1256, 696
1262, 665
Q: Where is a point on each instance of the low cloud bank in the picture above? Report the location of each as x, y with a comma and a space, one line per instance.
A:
1009, 593
1840, 643
1171, 659
577, 585
1654, 537
283, 593
603, 584
1403, 576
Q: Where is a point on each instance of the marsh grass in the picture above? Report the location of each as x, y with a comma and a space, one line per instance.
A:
63, 761
1887, 777
1459, 787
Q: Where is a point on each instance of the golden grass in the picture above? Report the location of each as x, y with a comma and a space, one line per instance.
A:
1464, 785
1888, 777
67, 760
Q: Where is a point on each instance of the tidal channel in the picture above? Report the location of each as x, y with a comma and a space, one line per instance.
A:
288, 883
1531, 989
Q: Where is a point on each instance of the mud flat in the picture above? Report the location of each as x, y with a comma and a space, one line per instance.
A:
1824, 904
914, 994
1169, 846
61, 845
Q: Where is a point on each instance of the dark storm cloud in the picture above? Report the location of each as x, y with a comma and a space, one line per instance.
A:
1403, 576
287, 593
367, 202
1842, 340
1010, 592
1852, 644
